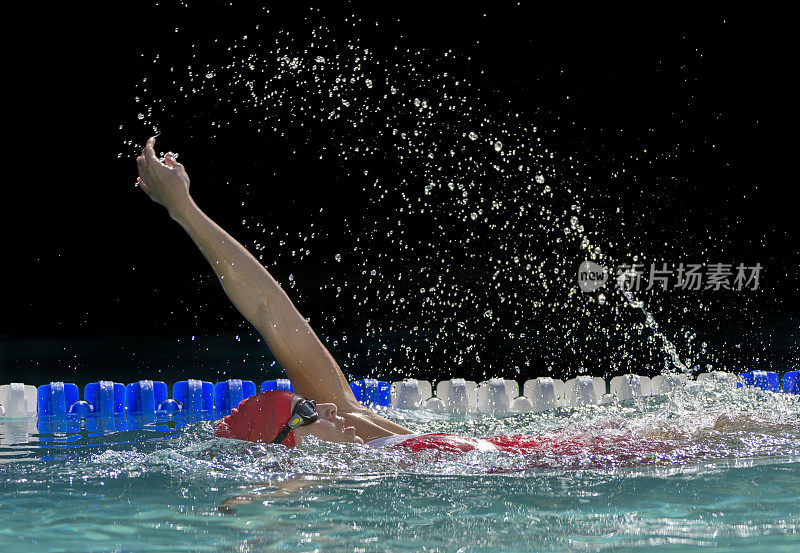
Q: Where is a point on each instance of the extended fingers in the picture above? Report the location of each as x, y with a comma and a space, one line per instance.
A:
145, 168
149, 155
149, 151
141, 164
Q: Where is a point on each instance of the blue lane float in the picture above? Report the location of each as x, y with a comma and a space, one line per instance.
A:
278, 384
230, 393
766, 380
194, 395
56, 398
372, 392
100, 424
105, 397
145, 396
67, 426
791, 382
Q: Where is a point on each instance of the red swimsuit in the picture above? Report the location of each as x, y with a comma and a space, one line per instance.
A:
561, 450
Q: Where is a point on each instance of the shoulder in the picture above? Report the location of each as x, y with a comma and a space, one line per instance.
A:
369, 425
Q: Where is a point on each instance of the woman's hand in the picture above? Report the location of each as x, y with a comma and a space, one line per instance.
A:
166, 183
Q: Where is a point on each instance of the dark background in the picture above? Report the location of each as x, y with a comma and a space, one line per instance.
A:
99, 283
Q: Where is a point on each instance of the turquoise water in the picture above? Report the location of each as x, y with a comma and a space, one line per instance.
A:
175, 487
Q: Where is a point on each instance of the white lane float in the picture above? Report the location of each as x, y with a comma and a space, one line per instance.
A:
17, 400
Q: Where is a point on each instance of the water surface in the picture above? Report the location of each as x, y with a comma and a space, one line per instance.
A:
171, 486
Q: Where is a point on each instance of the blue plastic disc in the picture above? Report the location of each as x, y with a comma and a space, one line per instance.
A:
170, 406
81, 407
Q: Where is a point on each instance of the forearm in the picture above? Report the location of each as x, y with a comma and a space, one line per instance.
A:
261, 300
246, 282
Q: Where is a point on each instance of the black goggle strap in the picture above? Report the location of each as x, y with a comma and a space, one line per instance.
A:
293, 423
296, 420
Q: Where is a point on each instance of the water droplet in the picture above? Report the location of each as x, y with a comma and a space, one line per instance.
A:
498, 146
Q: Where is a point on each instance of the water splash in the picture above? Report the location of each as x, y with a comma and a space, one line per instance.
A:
458, 246
668, 347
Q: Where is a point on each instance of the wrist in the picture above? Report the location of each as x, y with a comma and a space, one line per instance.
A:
181, 210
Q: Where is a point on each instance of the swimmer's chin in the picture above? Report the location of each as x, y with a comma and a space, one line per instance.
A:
350, 432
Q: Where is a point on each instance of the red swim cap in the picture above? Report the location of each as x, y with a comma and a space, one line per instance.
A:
259, 418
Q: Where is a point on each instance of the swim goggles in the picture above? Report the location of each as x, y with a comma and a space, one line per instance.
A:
304, 412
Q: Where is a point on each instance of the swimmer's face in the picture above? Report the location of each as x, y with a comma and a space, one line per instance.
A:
329, 427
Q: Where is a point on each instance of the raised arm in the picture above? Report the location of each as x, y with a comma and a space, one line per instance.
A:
311, 368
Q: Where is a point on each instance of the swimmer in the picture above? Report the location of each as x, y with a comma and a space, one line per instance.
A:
324, 405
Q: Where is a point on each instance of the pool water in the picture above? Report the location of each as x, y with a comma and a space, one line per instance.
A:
678, 484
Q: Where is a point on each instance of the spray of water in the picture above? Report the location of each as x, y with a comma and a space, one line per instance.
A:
464, 228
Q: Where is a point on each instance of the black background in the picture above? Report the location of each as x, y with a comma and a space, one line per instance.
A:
98, 282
